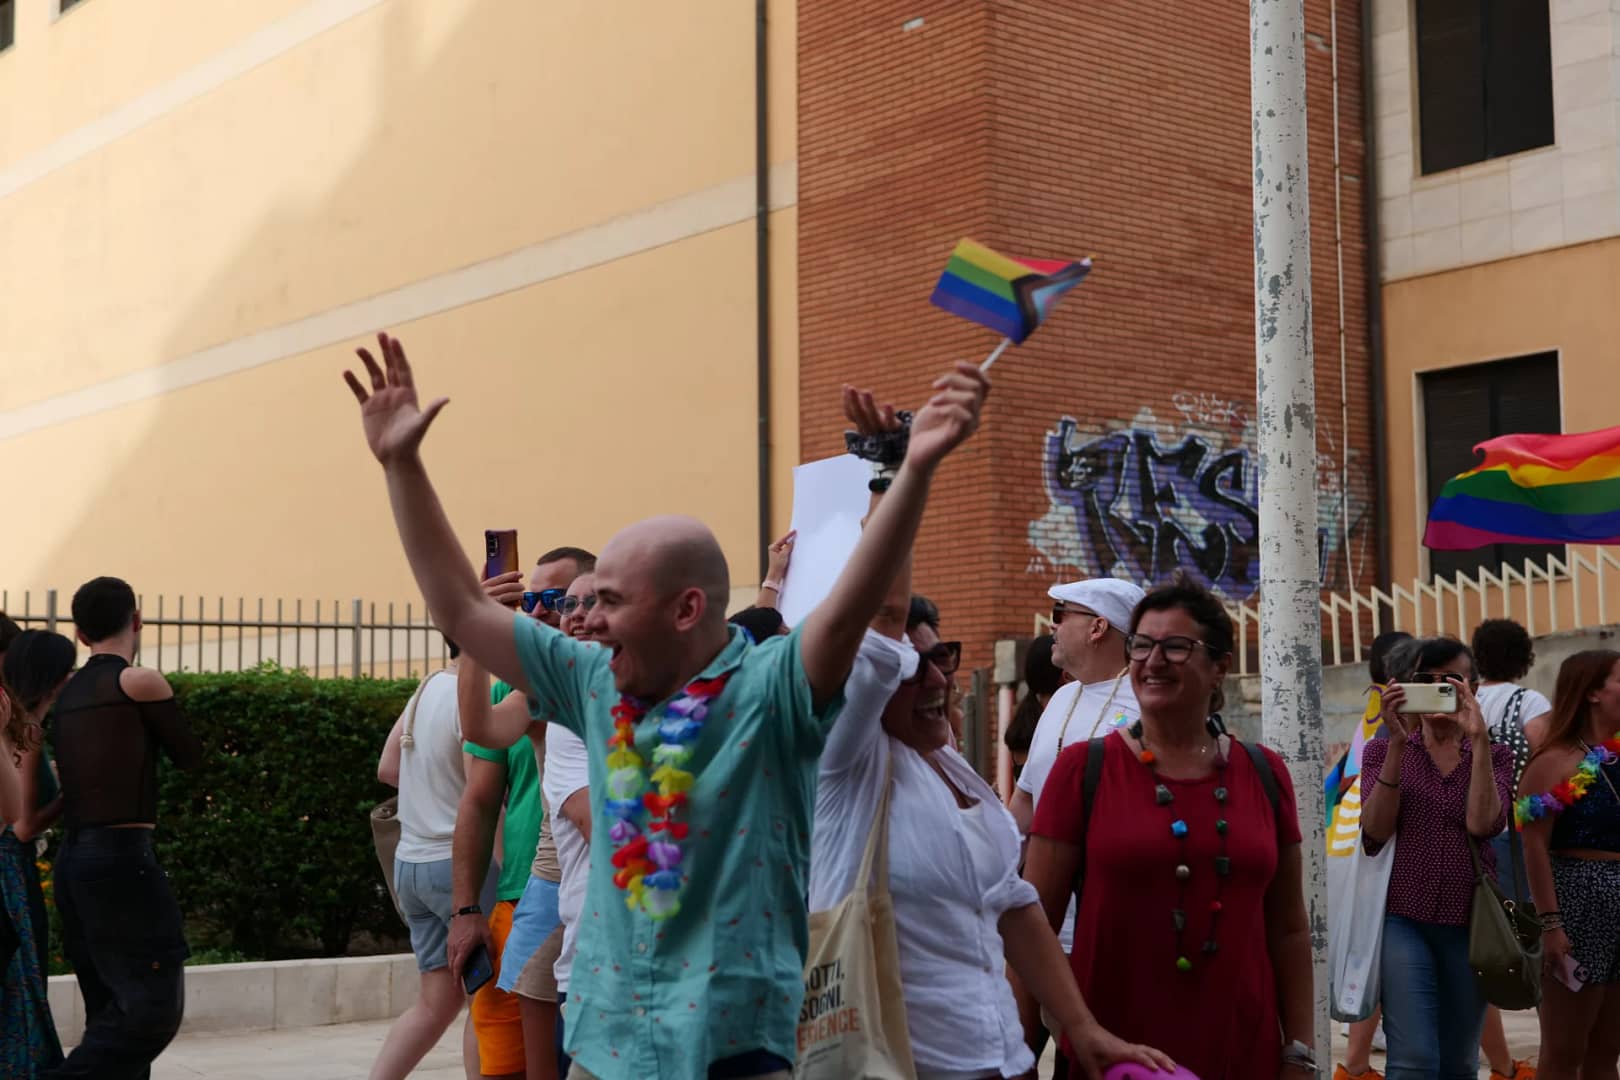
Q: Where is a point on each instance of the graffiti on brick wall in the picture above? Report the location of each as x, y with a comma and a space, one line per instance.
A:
1143, 499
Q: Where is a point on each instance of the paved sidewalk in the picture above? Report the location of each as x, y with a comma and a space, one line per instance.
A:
344, 1051
339, 1052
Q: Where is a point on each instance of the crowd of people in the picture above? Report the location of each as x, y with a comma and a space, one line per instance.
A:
626, 821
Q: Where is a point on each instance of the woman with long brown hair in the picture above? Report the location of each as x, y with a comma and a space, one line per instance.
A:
1569, 811
37, 663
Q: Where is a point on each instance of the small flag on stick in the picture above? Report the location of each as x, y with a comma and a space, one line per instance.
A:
1010, 296
1532, 489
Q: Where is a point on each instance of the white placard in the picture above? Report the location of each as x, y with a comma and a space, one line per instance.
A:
829, 500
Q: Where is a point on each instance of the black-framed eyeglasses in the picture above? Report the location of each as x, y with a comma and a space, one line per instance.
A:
1176, 648
570, 604
1442, 676
545, 599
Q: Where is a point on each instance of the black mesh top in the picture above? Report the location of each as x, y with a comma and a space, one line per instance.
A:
107, 746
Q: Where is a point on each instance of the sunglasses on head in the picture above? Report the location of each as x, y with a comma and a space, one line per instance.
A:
1440, 677
545, 599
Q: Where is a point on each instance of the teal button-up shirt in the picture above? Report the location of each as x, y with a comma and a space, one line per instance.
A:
725, 975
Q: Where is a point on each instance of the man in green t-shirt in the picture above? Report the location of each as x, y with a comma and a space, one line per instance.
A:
509, 778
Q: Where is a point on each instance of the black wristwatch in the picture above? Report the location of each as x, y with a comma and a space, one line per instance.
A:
470, 909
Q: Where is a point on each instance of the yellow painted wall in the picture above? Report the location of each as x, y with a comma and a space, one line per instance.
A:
1566, 300
542, 199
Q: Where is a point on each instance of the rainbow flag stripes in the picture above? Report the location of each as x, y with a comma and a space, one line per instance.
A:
1533, 489
1010, 296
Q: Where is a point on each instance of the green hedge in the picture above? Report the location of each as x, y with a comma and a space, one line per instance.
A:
268, 842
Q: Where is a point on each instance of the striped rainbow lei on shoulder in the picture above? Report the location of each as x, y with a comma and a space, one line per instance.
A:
1568, 792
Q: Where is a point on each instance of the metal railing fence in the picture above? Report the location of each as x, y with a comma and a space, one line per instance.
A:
193, 634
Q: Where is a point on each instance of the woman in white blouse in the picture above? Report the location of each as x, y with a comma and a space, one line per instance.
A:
962, 912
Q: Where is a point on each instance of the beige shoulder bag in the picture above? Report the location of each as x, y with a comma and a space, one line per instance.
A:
853, 1020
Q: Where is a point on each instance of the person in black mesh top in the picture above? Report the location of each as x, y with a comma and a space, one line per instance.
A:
121, 926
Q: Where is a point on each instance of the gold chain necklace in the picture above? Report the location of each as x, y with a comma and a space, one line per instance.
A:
1064, 730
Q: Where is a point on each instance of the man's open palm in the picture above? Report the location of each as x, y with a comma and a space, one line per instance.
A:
950, 417
394, 421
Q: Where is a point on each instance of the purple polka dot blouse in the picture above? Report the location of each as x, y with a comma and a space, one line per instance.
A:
1433, 877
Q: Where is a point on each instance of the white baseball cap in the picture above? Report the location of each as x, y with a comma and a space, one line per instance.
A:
1111, 598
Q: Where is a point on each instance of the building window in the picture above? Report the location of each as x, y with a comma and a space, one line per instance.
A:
8, 17
1484, 80
1463, 407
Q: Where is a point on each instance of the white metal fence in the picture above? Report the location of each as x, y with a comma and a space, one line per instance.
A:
1580, 590
322, 637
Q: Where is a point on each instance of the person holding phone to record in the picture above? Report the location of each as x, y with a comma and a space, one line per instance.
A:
1436, 782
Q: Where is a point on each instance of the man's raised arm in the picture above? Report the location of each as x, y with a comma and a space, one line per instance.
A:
832, 633
394, 425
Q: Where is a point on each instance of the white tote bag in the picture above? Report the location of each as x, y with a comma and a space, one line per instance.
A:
1356, 931
853, 1020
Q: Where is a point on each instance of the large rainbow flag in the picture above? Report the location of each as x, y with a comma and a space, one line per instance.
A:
1533, 489
1010, 296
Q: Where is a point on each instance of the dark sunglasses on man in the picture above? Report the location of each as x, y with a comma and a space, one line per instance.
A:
545, 599
1060, 610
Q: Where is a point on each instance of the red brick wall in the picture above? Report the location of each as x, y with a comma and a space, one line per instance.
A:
1061, 130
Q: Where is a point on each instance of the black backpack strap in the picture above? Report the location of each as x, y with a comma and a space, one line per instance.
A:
1096, 752
1268, 780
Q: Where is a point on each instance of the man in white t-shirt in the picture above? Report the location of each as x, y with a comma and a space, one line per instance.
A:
1090, 620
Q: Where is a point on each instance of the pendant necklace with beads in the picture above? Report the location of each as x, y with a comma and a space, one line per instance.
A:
1180, 831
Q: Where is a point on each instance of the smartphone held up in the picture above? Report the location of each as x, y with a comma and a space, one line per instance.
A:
1428, 697
500, 552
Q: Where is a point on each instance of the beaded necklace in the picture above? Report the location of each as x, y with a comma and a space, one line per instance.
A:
1180, 830
647, 864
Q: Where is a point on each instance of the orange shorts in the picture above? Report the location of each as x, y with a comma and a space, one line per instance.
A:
495, 1013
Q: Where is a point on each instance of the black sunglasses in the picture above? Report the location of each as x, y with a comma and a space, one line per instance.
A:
1058, 611
947, 656
1441, 677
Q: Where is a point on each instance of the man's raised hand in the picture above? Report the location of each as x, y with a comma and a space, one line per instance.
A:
950, 416
865, 415
393, 420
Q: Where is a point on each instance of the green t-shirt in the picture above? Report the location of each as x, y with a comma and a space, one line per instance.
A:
523, 806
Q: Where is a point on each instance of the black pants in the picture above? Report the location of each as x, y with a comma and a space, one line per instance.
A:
121, 930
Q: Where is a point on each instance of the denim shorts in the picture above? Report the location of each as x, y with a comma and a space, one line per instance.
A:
533, 921
424, 900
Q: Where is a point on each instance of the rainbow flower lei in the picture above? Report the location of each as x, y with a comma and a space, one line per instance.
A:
1568, 792
647, 861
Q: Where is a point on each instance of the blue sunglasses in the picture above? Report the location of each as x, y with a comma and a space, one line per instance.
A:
547, 599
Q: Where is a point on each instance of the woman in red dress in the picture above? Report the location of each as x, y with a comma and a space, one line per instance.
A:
1192, 934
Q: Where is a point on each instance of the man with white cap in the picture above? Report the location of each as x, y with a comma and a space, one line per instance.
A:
1090, 621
